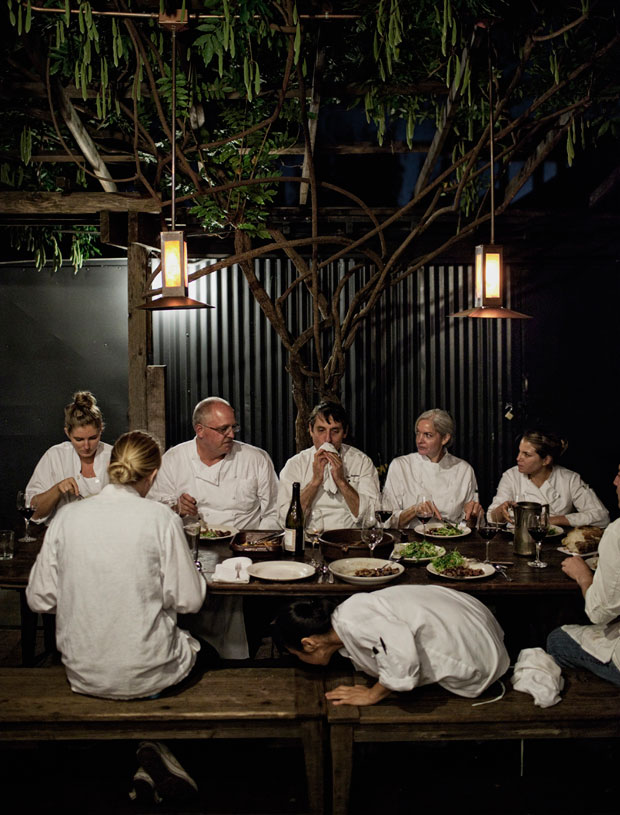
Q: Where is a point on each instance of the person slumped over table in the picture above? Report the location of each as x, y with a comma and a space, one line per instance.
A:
405, 636
538, 478
73, 468
116, 570
431, 479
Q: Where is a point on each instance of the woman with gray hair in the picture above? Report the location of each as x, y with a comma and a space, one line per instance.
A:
431, 481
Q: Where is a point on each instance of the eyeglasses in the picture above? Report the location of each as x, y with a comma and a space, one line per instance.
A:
223, 431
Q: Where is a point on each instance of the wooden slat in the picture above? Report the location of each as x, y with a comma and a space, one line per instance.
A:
56, 203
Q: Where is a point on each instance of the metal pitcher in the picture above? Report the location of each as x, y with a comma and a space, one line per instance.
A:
525, 512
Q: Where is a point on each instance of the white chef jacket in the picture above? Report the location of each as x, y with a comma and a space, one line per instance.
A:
602, 640
359, 471
61, 461
115, 570
240, 490
408, 636
564, 491
450, 483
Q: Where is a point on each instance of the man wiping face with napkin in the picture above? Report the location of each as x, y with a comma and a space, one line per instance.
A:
336, 478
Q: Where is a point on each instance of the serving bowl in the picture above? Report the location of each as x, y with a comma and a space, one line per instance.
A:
339, 543
258, 545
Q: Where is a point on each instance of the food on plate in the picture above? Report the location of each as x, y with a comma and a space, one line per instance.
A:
418, 550
445, 531
454, 564
583, 539
382, 571
260, 543
207, 532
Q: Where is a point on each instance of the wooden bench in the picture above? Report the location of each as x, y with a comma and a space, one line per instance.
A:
36, 704
589, 709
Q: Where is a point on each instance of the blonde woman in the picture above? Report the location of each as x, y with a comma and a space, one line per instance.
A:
116, 570
77, 467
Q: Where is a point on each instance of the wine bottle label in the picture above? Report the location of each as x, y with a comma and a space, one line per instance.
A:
289, 540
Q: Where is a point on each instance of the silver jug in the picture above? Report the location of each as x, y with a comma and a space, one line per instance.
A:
525, 512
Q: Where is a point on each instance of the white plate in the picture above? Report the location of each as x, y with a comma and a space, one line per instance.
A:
554, 531
592, 562
566, 551
465, 530
220, 538
282, 570
487, 568
346, 567
398, 548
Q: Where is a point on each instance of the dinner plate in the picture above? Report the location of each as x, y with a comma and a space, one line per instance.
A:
554, 531
281, 570
592, 562
488, 570
398, 548
346, 567
566, 551
230, 533
464, 530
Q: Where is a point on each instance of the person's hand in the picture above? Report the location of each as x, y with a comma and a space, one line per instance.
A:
318, 466
577, 569
337, 466
503, 512
472, 509
357, 694
187, 505
68, 485
427, 508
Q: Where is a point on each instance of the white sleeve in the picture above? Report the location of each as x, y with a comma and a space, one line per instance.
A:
290, 473
590, 511
183, 586
367, 486
505, 490
394, 491
268, 494
165, 485
603, 596
42, 588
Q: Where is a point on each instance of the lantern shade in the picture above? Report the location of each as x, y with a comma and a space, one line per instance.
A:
489, 275
173, 275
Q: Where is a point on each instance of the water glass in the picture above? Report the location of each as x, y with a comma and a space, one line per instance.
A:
315, 524
7, 544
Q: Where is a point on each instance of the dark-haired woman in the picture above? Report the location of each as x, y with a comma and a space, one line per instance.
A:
73, 468
538, 478
405, 636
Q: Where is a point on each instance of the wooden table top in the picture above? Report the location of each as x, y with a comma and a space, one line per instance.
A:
525, 580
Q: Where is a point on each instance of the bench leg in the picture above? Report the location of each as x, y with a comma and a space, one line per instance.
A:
312, 738
341, 744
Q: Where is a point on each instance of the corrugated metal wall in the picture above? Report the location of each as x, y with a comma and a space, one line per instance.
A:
408, 357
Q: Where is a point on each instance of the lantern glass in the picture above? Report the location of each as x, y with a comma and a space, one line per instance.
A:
174, 264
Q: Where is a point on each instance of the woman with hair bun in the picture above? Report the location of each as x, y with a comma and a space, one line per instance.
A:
538, 478
74, 468
116, 570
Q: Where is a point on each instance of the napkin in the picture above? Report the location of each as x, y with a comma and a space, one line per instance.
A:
537, 673
226, 572
329, 485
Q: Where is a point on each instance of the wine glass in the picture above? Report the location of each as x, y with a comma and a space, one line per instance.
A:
372, 533
315, 525
383, 513
26, 511
538, 528
191, 525
487, 531
424, 514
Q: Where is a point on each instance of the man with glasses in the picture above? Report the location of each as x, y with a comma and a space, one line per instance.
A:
228, 483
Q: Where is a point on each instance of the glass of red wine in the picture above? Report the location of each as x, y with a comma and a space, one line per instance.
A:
26, 511
383, 514
487, 531
424, 512
538, 528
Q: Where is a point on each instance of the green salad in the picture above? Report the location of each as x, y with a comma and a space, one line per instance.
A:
418, 550
451, 560
445, 531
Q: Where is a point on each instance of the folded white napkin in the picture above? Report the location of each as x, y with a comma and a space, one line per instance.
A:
329, 485
537, 673
227, 571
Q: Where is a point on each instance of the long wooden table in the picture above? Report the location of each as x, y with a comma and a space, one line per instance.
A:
528, 606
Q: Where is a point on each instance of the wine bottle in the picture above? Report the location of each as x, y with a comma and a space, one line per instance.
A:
294, 525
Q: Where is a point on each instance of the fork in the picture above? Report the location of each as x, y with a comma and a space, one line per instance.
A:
502, 571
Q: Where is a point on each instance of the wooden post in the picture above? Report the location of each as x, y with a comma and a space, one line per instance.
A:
140, 327
156, 402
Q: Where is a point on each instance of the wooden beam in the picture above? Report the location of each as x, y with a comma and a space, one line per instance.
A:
76, 203
140, 328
